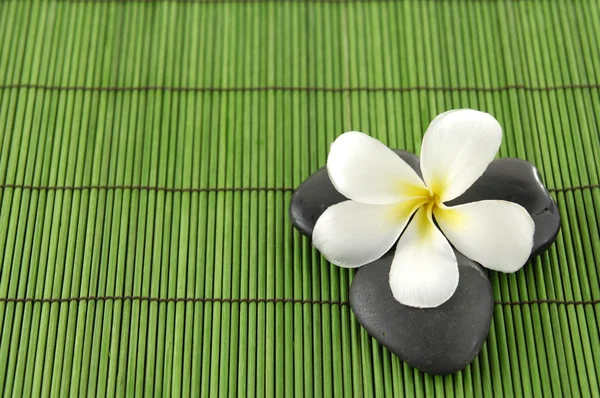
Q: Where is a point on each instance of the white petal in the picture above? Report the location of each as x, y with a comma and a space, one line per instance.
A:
457, 148
424, 272
365, 170
351, 234
495, 233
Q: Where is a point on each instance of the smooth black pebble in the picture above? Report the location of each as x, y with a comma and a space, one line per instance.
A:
518, 181
439, 340
317, 193
447, 338
514, 180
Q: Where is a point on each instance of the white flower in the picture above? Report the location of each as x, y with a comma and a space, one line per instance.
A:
385, 192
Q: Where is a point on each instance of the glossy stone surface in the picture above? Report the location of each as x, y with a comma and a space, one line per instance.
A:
317, 193
518, 181
447, 338
437, 340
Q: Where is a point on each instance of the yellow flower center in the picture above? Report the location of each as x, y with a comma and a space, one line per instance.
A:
431, 203
430, 200
424, 207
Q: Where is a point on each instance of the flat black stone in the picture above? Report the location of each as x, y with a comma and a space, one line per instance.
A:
447, 338
509, 179
437, 340
518, 181
317, 193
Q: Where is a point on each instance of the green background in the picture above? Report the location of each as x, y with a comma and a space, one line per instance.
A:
149, 149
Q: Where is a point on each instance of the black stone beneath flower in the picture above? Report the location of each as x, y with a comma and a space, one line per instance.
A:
518, 181
437, 340
514, 180
317, 193
447, 338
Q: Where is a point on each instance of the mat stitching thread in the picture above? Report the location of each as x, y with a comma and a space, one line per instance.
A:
142, 187
245, 1
251, 301
224, 189
304, 89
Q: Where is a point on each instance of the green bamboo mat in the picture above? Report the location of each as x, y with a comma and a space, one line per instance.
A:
149, 149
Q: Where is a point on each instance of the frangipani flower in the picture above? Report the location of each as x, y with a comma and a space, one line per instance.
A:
388, 200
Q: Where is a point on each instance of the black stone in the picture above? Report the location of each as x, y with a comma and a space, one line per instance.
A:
447, 338
317, 193
437, 340
518, 181
514, 180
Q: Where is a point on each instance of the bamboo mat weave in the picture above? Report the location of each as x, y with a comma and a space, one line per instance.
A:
149, 149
